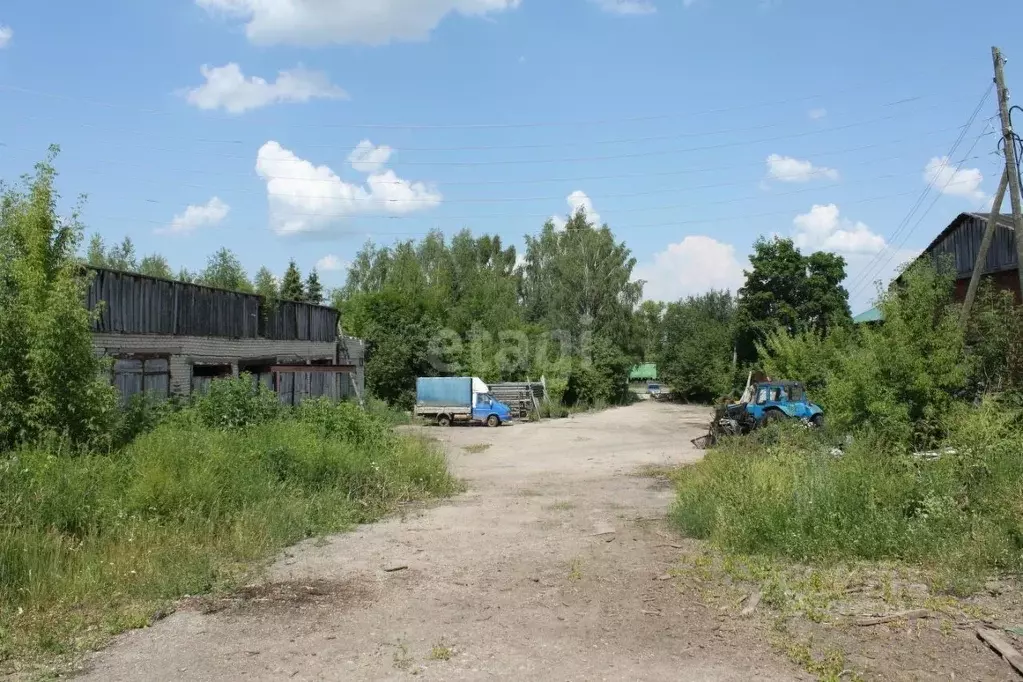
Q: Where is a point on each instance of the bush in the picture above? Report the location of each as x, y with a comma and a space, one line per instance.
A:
100, 540
236, 403
794, 499
49, 376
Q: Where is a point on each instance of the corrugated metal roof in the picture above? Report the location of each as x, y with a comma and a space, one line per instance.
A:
872, 315
645, 371
961, 240
1002, 219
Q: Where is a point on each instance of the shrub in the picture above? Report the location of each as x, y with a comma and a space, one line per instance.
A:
793, 498
49, 376
236, 403
90, 543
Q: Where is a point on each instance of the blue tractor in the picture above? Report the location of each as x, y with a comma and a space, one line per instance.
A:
763, 403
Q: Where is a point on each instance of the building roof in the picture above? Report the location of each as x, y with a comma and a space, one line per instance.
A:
872, 315
645, 371
1002, 219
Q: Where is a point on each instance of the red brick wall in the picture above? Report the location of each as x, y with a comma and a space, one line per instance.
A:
1007, 280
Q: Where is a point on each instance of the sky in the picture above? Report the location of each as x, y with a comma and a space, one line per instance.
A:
300, 129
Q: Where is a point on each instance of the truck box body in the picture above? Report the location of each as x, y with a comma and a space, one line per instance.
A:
444, 392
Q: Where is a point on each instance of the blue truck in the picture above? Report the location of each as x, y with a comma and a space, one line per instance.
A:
447, 400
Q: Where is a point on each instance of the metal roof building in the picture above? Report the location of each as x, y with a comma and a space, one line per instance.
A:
960, 243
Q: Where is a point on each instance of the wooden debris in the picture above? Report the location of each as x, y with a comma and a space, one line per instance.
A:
664, 576
752, 604
995, 640
893, 617
670, 544
395, 569
651, 613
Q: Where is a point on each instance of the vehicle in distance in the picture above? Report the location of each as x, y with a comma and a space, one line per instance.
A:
447, 400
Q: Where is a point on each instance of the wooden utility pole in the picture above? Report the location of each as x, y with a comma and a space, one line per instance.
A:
1009, 149
985, 245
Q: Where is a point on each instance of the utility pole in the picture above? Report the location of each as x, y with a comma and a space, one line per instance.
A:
985, 246
1009, 148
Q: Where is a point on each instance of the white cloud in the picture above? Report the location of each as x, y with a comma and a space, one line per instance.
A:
372, 22
628, 6
6, 33
817, 114
789, 169
306, 198
577, 200
227, 88
330, 263
195, 216
823, 228
958, 183
692, 266
367, 158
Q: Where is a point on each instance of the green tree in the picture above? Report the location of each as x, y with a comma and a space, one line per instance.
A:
901, 378
187, 276
648, 329
225, 271
155, 265
291, 284
398, 334
313, 288
580, 279
266, 284
122, 256
789, 291
696, 357
50, 377
97, 252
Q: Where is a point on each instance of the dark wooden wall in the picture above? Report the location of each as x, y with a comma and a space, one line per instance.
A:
135, 304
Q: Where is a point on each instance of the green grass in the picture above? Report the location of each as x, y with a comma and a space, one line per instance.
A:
94, 544
781, 493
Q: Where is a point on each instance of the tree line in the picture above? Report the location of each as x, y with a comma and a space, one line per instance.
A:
567, 309
223, 270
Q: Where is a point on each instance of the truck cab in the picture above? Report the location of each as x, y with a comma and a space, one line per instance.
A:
490, 411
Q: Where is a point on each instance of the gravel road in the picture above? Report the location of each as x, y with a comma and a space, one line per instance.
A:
546, 569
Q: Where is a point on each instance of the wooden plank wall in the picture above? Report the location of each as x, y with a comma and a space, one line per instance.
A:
134, 304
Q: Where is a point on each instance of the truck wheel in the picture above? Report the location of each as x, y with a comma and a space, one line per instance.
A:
444, 420
493, 420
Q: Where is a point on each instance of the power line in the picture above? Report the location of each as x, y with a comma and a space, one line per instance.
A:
528, 181
493, 125
592, 159
870, 271
544, 216
947, 184
551, 145
816, 173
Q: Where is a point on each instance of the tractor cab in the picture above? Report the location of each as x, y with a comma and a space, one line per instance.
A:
762, 402
775, 400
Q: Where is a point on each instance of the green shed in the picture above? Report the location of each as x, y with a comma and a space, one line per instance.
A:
645, 372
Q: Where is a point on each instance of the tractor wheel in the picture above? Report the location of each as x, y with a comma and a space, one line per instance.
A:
772, 416
444, 420
817, 421
493, 420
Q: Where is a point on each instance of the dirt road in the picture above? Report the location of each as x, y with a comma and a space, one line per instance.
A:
546, 569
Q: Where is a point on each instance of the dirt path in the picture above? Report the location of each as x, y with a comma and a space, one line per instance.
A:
544, 570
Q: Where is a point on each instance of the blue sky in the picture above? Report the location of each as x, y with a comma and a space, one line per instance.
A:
689, 126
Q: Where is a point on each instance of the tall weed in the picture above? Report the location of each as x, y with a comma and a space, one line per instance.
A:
794, 498
101, 540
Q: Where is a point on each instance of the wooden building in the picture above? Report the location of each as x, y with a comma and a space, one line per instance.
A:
959, 243
174, 338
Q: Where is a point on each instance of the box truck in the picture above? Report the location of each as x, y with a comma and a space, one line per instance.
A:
447, 400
